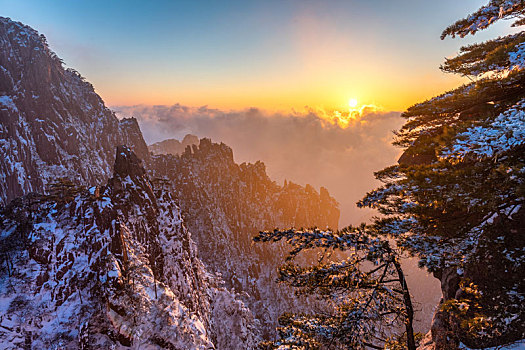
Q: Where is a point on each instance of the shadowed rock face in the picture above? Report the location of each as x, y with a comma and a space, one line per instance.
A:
52, 123
127, 163
131, 136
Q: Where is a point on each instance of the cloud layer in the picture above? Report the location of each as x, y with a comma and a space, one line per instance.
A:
331, 149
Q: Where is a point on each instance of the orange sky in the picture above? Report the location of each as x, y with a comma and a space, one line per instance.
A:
388, 90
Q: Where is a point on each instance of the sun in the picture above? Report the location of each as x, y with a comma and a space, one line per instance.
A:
352, 103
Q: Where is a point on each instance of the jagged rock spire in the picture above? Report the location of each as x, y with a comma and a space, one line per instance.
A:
127, 163
52, 121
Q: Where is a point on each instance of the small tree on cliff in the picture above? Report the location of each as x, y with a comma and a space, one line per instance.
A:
456, 197
368, 291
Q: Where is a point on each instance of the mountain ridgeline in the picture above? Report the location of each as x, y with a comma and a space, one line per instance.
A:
95, 243
225, 203
173, 146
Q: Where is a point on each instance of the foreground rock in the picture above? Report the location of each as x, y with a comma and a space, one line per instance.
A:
109, 266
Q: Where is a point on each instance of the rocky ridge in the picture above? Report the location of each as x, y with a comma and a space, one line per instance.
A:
173, 146
224, 204
110, 266
88, 268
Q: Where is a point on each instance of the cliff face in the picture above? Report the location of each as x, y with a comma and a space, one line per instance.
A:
52, 123
110, 266
101, 267
226, 204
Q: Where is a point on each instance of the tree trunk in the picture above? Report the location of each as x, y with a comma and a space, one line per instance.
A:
411, 343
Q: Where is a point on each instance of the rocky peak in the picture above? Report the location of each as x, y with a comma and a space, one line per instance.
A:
190, 139
127, 163
131, 136
226, 204
173, 146
211, 150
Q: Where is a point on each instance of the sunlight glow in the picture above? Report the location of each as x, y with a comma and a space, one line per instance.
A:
352, 103
345, 119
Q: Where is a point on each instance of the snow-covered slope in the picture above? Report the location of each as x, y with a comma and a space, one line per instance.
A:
52, 123
93, 268
110, 266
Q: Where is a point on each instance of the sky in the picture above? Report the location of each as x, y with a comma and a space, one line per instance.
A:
272, 54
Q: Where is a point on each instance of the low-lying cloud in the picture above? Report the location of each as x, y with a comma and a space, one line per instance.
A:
339, 151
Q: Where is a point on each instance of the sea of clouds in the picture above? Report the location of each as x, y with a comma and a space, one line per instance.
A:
339, 151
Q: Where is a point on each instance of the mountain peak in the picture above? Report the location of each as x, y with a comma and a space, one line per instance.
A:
127, 163
173, 146
23, 34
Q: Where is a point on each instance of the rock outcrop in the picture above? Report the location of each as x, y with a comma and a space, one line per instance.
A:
110, 266
173, 146
99, 267
226, 204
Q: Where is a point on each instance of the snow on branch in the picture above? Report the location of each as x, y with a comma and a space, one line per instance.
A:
504, 133
498, 56
349, 238
485, 16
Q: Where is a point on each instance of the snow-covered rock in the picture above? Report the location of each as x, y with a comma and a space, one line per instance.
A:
110, 266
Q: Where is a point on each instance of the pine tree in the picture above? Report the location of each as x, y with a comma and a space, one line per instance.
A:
367, 291
456, 197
